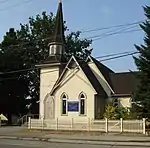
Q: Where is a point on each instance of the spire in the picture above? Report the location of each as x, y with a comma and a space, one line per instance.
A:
59, 36
57, 45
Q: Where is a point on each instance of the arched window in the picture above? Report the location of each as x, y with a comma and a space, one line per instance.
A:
64, 104
82, 104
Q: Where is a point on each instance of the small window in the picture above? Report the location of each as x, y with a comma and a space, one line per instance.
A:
52, 50
82, 104
115, 102
64, 104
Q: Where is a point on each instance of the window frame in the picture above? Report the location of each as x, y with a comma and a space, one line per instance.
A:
64, 99
52, 50
85, 103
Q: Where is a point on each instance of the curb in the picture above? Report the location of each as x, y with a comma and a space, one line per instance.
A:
76, 141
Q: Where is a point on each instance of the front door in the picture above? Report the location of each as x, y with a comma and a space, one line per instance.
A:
49, 107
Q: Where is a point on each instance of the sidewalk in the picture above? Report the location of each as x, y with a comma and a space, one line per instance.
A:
74, 137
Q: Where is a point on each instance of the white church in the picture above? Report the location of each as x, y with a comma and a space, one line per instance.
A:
75, 88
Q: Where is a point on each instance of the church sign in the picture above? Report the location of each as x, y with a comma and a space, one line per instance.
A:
73, 106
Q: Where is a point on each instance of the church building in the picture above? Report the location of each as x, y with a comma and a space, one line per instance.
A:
75, 88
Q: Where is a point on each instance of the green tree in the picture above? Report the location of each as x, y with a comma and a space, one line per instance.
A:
114, 112
123, 113
23, 49
110, 112
142, 95
13, 86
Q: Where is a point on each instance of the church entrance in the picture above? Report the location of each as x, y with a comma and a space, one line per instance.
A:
49, 107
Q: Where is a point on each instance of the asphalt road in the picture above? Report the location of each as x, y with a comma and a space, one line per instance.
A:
38, 144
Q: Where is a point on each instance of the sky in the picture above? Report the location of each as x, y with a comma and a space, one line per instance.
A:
85, 15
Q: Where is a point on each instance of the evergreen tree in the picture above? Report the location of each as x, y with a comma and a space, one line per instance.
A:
141, 97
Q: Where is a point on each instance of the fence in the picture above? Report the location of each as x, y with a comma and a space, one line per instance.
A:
24, 119
134, 126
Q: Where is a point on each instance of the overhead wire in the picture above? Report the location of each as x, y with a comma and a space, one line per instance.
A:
102, 35
113, 32
93, 38
116, 57
130, 31
111, 27
114, 54
18, 71
3, 1
16, 5
86, 31
118, 30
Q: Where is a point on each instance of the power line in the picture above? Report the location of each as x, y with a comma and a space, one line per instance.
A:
114, 54
121, 56
116, 57
118, 30
65, 63
131, 31
16, 5
94, 38
21, 71
4, 1
110, 27
97, 37
18, 71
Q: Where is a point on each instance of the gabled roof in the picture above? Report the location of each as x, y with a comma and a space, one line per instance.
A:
91, 77
124, 83
121, 83
104, 70
88, 73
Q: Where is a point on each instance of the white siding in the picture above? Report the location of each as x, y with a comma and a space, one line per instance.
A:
73, 87
124, 102
48, 77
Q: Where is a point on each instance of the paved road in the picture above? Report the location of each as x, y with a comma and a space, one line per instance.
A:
9, 130
36, 144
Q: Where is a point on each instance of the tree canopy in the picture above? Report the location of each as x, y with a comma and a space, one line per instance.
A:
24, 48
141, 97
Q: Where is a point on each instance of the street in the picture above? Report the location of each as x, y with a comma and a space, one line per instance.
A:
39, 144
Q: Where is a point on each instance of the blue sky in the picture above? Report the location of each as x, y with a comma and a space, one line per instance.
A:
85, 15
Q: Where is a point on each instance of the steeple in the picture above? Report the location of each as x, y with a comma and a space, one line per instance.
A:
57, 44
59, 36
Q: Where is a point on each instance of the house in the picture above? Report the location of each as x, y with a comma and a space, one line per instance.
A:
75, 88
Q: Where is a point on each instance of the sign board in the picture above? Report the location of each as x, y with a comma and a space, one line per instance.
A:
73, 106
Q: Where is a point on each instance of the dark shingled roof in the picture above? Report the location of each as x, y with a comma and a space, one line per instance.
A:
124, 83
54, 60
104, 70
91, 77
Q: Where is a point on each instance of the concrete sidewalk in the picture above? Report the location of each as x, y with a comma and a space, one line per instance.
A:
74, 137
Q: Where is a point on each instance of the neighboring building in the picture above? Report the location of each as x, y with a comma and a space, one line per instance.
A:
75, 88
